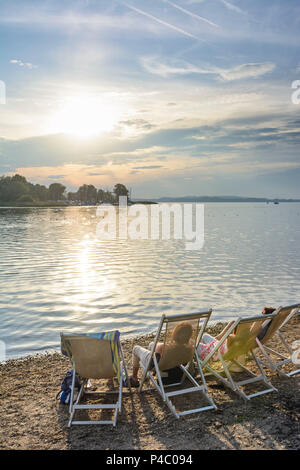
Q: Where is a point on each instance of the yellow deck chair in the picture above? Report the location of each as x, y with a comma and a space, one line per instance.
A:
177, 355
243, 344
95, 356
280, 319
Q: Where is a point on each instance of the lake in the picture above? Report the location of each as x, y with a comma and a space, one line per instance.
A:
56, 275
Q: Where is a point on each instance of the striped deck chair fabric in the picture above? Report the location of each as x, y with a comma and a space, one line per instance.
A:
95, 356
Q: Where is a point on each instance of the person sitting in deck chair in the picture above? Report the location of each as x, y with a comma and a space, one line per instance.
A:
179, 345
209, 342
266, 324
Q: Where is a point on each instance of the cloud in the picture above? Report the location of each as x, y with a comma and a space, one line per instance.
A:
145, 154
147, 167
250, 70
246, 71
20, 63
233, 148
56, 177
156, 67
38, 19
138, 123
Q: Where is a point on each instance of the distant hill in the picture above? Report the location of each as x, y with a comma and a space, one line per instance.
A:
220, 199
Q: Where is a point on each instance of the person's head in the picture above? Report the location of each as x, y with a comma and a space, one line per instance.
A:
182, 333
268, 310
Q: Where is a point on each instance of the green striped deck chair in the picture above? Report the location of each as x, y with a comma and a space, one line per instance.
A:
242, 345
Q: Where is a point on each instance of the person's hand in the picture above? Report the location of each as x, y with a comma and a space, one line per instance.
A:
268, 310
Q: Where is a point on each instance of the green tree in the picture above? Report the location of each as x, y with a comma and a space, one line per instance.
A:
82, 193
120, 190
26, 198
87, 193
100, 195
39, 192
108, 197
13, 187
92, 194
56, 191
72, 196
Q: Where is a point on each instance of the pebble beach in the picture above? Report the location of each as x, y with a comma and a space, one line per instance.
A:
32, 418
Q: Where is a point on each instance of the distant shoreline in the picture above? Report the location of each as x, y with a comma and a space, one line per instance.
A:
173, 201
46, 205
31, 204
222, 199
61, 204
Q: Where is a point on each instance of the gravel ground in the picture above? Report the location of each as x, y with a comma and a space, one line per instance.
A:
31, 417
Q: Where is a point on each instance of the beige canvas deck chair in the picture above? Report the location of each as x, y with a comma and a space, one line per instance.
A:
273, 359
95, 356
177, 354
243, 344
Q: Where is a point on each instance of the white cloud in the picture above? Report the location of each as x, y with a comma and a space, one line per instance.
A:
246, 71
152, 65
20, 63
251, 70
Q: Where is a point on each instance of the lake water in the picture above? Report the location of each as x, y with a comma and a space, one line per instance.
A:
55, 275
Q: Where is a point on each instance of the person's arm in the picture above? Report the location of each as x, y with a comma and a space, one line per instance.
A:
220, 336
159, 348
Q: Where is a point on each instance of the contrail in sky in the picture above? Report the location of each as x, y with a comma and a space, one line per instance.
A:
179, 30
230, 6
190, 13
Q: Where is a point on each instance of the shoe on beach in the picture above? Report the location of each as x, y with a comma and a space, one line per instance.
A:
133, 382
110, 384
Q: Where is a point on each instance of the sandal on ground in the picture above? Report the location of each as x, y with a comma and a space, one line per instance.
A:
133, 382
110, 383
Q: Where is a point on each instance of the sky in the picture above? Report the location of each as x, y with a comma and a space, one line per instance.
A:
184, 97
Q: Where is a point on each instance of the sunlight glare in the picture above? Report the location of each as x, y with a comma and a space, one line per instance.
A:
84, 116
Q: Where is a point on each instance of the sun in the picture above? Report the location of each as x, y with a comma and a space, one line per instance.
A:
84, 116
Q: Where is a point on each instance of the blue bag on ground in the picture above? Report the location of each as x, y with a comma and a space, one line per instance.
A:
65, 393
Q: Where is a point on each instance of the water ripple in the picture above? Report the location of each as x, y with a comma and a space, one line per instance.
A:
56, 276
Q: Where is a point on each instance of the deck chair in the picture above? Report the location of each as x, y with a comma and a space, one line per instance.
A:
177, 355
270, 355
95, 356
222, 366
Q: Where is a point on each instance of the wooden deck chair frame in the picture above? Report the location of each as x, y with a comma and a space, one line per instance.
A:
228, 377
282, 316
158, 381
97, 368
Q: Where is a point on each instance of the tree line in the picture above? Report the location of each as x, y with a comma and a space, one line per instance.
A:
17, 189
